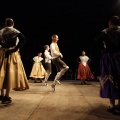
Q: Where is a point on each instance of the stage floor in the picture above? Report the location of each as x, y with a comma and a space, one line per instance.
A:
70, 101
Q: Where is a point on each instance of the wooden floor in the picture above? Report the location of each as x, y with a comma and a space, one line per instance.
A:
70, 101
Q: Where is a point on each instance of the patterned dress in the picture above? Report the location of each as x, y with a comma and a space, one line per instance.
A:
109, 43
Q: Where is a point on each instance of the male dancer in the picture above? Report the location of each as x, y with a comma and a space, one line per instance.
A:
48, 66
56, 59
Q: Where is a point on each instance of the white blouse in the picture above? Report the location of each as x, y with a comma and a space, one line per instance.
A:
84, 59
37, 59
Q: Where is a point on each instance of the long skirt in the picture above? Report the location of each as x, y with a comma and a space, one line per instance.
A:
110, 76
38, 71
84, 72
12, 73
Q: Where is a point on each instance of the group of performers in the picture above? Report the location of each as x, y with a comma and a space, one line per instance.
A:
12, 73
38, 70
13, 76
51, 53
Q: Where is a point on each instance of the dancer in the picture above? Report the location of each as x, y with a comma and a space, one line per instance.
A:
84, 72
48, 66
38, 70
57, 61
109, 43
12, 73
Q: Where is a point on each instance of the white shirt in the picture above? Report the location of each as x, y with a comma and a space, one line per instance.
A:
37, 59
48, 57
84, 59
54, 53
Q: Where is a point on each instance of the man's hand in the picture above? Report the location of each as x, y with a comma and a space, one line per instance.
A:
61, 56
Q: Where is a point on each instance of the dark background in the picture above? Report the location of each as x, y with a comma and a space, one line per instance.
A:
77, 23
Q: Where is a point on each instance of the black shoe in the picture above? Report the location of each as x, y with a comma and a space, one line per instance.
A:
117, 107
84, 83
1, 97
111, 110
81, 83
6, 100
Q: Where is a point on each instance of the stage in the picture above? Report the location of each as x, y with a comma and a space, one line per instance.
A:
70, 101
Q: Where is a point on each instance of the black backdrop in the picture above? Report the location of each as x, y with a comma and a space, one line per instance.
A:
77, 22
